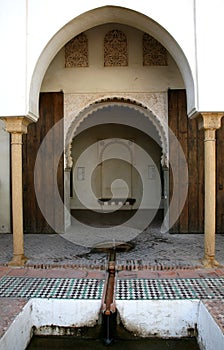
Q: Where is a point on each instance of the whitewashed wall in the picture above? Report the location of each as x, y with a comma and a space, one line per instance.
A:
4, 180
28, 28
97, 79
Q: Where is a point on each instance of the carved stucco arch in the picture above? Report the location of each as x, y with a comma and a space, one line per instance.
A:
160, 126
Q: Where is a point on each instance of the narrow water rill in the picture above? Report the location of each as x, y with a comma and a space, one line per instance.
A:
110, 330
108, 307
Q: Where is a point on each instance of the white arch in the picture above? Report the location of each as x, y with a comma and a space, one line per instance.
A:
102, 15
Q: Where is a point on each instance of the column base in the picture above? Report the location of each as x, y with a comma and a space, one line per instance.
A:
210, 262
18, 260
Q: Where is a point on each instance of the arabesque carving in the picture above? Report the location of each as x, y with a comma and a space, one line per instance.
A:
115, 49
154, 54
80, 106
75, 103
76, 52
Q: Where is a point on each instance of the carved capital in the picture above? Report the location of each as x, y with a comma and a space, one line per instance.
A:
210, 120
16, 125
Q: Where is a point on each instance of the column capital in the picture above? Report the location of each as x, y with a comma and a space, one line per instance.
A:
210, 120
16, 125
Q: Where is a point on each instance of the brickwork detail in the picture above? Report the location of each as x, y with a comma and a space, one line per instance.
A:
76, 52
154, 54
115, 49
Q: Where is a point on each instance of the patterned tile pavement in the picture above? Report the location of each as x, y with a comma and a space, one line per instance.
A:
17, 285
170, 289
159, 267
59, 288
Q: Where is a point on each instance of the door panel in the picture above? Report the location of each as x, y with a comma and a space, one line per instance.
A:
51, 111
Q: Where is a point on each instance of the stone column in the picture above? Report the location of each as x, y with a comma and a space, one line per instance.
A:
210, 122
17, 126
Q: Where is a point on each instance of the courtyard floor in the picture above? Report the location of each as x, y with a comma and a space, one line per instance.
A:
163, 258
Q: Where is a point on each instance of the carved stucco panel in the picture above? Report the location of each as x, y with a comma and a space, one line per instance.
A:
76, 52
75, 103
115, 49
154, 54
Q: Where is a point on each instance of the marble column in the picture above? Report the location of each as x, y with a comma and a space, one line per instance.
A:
210, 122
17, 126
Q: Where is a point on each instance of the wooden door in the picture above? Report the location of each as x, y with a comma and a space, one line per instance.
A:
220, 179
51, 111
191, 219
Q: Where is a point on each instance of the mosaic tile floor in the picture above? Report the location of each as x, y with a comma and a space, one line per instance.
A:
126, 289
165, 289
60, 288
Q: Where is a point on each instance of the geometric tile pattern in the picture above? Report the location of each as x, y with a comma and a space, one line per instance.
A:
170, 289
126, 289
59, 288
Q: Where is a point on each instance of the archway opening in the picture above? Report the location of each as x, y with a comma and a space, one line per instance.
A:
91, 84
116, 168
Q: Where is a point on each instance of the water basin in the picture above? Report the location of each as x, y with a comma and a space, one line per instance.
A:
67, 343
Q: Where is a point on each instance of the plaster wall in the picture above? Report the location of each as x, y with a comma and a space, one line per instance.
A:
32, 35
158, 318
4, 180
58, 312
97, 78
209, 54
181, 27
37, 30
13, 60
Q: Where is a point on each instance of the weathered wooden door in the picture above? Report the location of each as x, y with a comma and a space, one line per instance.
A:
191, 140
191, 219
51, 111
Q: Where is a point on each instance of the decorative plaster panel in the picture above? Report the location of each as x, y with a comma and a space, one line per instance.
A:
115, 49
75, 103
154, 54
154, 103
76, 52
